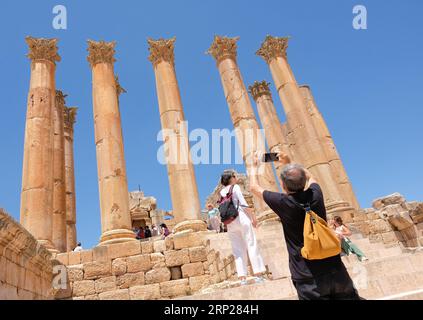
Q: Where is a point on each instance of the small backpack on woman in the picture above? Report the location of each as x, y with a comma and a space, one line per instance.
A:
227, 209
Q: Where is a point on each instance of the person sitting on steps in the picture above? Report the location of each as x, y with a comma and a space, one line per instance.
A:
343, 232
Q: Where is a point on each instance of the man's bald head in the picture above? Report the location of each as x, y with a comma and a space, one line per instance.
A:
294, 177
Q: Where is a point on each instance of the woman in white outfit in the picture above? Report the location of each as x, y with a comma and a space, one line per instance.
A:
241, 232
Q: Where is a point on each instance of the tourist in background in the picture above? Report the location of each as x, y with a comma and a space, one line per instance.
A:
165, 230
343, 232
140, 234
213, 217
78, 247
154, 230
147, 232
241, 232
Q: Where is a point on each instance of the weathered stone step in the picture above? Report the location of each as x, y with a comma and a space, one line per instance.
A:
373, 253
408, 295
379, 278
269, 290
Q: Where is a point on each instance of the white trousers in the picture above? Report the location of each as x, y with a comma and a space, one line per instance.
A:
244, 245
215, 223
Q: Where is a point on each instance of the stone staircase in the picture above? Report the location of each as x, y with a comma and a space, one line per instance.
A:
392, 272
395, 277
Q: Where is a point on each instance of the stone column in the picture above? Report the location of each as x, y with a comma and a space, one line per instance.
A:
308, 146
69, 121
248, 133
37, 174
276, 141
183, 186
113, 186
59, 190
332, 154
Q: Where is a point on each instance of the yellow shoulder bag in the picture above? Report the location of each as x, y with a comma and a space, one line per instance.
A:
320, 241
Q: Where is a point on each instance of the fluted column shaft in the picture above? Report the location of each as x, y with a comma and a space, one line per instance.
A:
69, 121
271, 124
247, 129
307, 145
113, 186
182, 182
59, 190
37, 174
332, 155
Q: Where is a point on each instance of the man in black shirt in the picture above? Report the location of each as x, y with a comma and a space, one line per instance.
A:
313, 279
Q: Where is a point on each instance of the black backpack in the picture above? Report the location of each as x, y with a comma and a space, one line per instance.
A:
228, 211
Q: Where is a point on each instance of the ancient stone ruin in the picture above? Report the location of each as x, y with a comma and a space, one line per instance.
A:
36, 257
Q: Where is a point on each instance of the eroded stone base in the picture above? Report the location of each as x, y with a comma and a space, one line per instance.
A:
117, 236
193, 225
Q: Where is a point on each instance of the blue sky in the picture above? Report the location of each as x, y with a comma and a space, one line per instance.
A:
367, 84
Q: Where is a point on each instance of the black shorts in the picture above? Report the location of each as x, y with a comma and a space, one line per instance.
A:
335, 285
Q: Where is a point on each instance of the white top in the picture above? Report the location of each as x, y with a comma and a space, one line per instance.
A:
237, 197
78, 249
339, 232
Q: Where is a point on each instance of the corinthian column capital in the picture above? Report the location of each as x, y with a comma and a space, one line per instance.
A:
60, 98
259, 89
69, 114
42, 49
273, 47
101, 52
161, 50
119, 88
223, 47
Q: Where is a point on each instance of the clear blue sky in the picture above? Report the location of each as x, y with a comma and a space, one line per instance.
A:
368, 85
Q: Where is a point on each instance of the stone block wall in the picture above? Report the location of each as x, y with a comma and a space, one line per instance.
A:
25, 266
180, 265
392, 220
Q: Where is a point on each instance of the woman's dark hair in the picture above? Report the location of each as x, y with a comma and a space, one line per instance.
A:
163, 225
338, 220
226, 177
